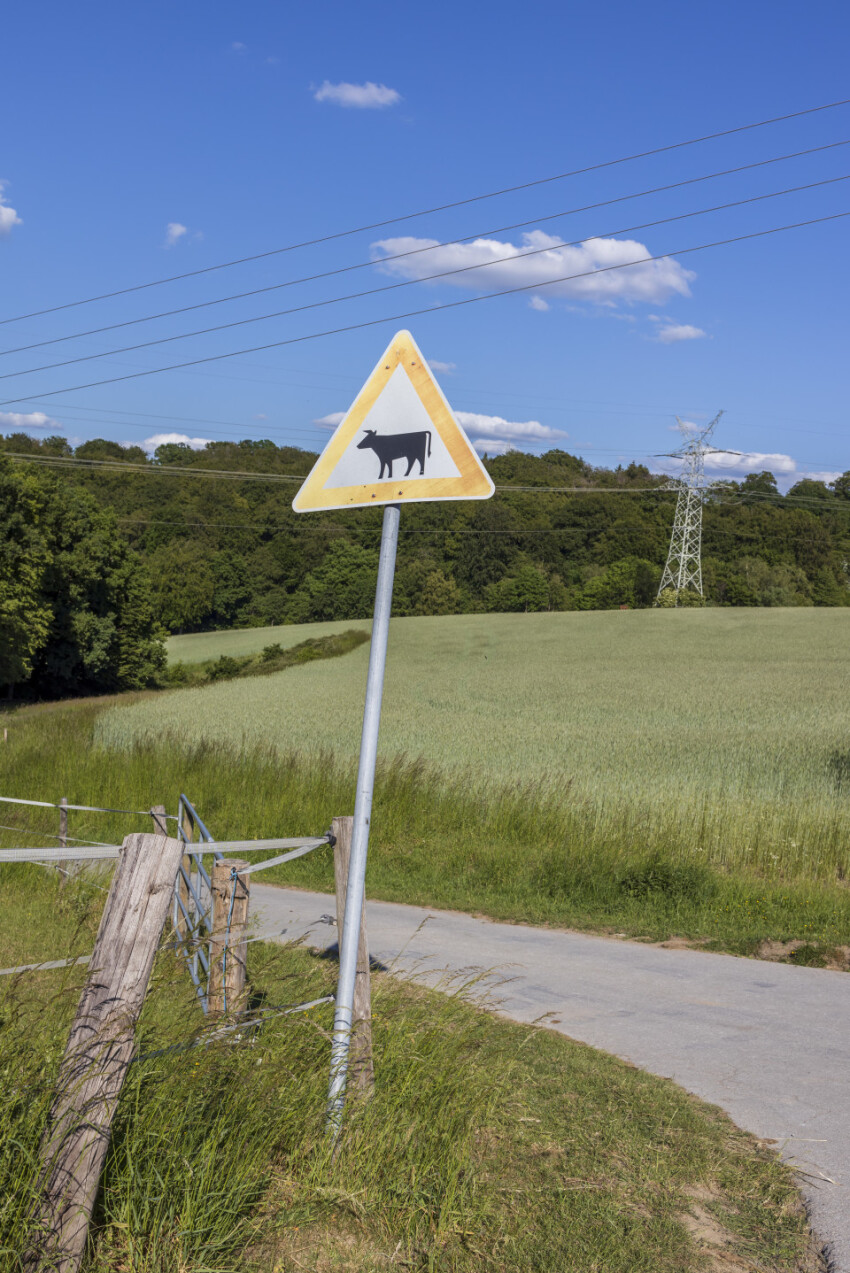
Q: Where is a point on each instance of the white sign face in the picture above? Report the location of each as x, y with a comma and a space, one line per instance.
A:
398, 442
413, 444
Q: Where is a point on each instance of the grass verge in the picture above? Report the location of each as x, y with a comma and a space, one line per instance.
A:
271, 658
487, 1146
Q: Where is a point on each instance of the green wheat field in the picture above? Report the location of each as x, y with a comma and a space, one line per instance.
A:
722, 734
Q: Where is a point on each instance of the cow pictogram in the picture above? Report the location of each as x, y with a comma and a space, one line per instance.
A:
398, 446
401, 419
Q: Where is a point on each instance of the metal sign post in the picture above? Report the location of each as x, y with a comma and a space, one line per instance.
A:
399, 442
343, 1021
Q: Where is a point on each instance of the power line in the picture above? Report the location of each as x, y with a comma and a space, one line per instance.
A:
298, 528
394, 318
168, 470
398, 256
179, 470
577, 405
458, 203
176, 470
427, 278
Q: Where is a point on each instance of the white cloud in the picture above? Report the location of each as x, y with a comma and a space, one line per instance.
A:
27, 420
513, 265
492, 428
538, 303
491, 433
160, 439
366, 96
238, 46
829, 475
751, 462
492, 446
445, 367
261, 415
674, 332
8, 216
330, 421
174, 231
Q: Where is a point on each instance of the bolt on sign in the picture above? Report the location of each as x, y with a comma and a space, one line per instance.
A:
399, 443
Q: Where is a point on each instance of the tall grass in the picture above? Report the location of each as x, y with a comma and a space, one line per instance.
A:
485, 1146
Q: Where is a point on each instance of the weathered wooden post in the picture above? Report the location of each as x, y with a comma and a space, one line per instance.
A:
63, 840
228, 948
362, 1069
99, 1050
159, 821
183, 928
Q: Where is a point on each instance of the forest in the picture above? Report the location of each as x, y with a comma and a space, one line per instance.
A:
104, 548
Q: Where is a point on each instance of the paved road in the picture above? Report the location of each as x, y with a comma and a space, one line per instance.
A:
767, 1042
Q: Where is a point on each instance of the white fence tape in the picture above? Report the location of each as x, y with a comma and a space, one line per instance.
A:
53, 963
84, 808
56, 853
88, 852
175, 945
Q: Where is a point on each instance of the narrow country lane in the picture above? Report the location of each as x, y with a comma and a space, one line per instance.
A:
769, 1043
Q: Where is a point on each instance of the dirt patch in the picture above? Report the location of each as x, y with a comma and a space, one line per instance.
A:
710, 1235
719, 1244
338, 1242
683, 943
806, 954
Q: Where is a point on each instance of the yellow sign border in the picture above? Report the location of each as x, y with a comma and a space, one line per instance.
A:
473, 483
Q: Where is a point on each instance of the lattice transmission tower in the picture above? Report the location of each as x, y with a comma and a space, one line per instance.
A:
684, 560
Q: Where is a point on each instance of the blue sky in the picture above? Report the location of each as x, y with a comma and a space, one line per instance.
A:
160, 139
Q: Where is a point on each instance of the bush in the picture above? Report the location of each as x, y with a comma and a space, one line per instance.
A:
224, 667
661, 877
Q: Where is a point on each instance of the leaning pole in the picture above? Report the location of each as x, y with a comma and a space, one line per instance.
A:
399, 417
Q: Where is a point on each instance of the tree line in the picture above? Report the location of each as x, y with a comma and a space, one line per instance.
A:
96, 564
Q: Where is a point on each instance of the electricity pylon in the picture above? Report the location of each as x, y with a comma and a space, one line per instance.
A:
684, 560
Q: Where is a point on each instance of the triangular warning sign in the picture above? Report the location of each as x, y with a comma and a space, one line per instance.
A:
399, 442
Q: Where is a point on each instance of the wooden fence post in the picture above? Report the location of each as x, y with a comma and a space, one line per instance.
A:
182, 924
99, 1050
361, 1068
63, 868
228, 948
159, 821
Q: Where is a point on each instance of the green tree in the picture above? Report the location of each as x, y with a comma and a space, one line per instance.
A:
24, 557
628, 582
763, 483
526, 590
103, 631
841, 485
76, 614
808, 488
757, 582
343, 586
440, 595
827, 591
183, 585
